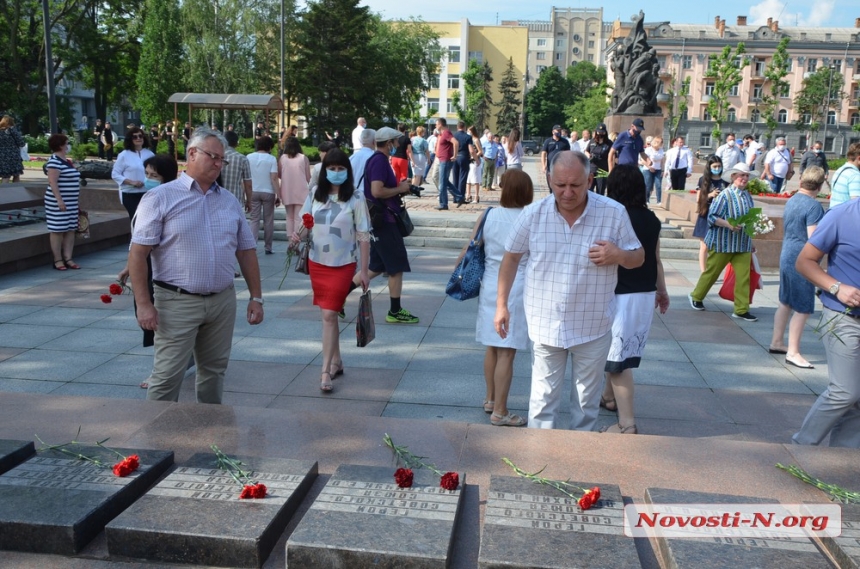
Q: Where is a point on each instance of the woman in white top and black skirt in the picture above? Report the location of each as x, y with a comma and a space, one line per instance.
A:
340, 231
129, 172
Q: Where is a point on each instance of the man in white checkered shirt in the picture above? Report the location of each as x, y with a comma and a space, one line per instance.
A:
195, 230
575, 240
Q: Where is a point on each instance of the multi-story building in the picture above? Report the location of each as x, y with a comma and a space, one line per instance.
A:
570, 35
460, 42
684, 51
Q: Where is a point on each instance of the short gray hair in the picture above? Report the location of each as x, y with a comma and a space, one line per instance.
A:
583, 159
202, 133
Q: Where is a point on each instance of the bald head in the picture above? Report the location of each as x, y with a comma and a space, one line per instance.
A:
569, 158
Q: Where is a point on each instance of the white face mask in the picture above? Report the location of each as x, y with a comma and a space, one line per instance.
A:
68, 148
730, 142
780, 147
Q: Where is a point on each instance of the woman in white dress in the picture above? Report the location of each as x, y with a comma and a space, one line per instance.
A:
476, 169
517, 192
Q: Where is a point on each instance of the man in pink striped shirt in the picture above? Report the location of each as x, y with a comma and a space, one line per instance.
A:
194, 230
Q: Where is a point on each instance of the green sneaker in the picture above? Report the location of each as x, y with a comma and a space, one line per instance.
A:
342, 313
402, 317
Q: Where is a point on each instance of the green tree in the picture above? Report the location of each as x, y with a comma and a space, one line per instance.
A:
160, 52
463, 114
590, 109
508, 116
820, 93
545, 102
479, 98
726, 71
582, 79
774, 74
677, 107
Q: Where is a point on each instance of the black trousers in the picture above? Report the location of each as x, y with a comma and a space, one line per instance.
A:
678, 178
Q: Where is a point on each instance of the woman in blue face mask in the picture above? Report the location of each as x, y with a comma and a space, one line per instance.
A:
710, 185
128, 170
341, 230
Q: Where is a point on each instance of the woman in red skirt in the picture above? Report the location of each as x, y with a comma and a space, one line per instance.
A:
341, 235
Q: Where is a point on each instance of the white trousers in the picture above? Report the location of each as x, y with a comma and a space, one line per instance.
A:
548, 370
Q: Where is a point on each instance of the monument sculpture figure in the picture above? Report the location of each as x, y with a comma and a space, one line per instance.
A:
635, 66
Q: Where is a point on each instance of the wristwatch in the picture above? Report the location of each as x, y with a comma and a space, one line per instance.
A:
255, 299
834, 288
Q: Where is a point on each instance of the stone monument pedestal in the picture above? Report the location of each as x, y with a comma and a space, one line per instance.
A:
621, 122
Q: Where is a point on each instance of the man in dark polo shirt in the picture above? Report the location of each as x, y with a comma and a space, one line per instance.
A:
461, 161
552, 146
629, 147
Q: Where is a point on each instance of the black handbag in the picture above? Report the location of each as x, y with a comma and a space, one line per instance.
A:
403, 221
465, 281
365, 328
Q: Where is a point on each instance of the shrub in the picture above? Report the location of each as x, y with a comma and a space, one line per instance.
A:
836, 163
37, 145
758, 186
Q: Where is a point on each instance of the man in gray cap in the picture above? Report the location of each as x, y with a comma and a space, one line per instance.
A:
387, 251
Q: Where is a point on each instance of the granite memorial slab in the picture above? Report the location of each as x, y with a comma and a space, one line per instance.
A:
194, 515
363, 519
845, 549
55, 503
13, 453
753, 549
527, 525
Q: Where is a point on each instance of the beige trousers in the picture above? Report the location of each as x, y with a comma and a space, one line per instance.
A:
192, 324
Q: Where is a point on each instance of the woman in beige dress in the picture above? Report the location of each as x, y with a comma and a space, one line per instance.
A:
295, 173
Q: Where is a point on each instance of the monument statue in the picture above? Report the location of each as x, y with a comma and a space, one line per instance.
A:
635, 66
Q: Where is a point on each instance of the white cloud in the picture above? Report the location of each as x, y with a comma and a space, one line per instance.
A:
759, 13
820, 15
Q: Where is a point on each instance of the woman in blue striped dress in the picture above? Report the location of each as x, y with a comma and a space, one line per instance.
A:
61, 202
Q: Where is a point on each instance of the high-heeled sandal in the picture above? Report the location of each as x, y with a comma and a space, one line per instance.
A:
617, 428
60, 266
71, 264
489, 406
326, 387
605, 403
338, 371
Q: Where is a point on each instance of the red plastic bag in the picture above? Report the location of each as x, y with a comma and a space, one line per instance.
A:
727, 291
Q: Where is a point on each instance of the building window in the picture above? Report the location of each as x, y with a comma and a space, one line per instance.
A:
559, 43
434, 81
831, 117
837, 65
709, 88
786, 92
788, 63
590, 43
757, 90
684, 115
706, 115
855, 118
453, 81
857, 66
687, 62
541, 42
432, 106
450, 109
541, 55
454, 54
759, 67
811, 65
755, 116
828, 144
782, 116
477, 56
559, 33
733, 92
705, 139
801, 144
806, 118
558, 57
540, 69
732, 115
590, 57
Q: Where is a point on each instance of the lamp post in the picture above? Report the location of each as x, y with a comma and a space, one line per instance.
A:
827, 106
754, 117
49, 71
281, 94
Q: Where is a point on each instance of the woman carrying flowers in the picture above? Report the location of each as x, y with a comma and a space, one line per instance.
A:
341, 227
728, 243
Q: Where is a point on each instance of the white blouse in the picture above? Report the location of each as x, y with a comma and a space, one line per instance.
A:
338, 228
129, 166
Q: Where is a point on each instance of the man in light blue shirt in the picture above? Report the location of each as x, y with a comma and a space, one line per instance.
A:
490, 148
846, 180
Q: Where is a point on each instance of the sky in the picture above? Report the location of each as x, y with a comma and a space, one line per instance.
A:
828, 13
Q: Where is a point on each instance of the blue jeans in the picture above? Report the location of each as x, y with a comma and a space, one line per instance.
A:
653, 180
461, 174
429, 164
776, 184
445, 184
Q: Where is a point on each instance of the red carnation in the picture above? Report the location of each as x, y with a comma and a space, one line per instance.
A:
308, 221
403, 477
115, 288
106, 298
589, 498
450, 481
253, 491
126, 466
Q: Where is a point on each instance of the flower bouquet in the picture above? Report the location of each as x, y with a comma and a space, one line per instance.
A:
589, 496
121, 469
115, 289
403, 476
754, 222
302, 248
251, 489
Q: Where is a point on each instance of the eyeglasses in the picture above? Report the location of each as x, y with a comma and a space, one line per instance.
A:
214, 157
137, 136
